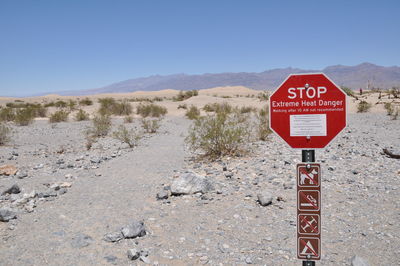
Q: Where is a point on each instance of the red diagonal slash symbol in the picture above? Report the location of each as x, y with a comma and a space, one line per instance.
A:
304, 172
305, 244
312, 203
303, 218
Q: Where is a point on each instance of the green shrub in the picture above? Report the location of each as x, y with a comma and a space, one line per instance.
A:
389, 108
60, 104
71, 105
395, 92
81, 115
106, 106
24, 116
193, 112
224, 133
152, 110
182, 106
59, 116
129, 137
85, 102
5, 133
218, 107
185, 95
128, 119
7, 114
262, 127
363, 107
150, 125
263, 96
101, 125
122, 108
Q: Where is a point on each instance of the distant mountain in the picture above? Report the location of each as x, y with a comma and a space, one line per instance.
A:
360, 76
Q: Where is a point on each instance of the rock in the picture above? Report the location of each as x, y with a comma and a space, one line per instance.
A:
47, 194
7, 215
358, 261
8, 170
229, 175
248, 260
113, 237
134, 229
12, 190
65, 185
145, 259
162, 195
190, 183
21, 175
62, 191
133, 254
81, 240
265, 198
39, 166
111, 258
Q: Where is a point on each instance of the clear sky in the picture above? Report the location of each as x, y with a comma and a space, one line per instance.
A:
55, 45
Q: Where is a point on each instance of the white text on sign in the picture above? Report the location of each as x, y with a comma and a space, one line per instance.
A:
310, 92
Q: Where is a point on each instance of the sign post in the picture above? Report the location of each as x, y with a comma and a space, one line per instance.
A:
308, 111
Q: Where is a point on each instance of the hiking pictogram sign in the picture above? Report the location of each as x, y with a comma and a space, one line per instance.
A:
308, 175
308, 248
308, 224
308, 200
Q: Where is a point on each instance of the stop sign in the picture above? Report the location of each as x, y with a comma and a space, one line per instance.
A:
307, 111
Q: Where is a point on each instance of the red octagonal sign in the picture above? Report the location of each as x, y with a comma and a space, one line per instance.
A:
307, 111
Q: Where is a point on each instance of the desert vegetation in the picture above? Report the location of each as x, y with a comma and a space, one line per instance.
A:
151, 110
5, 134
185, 95
363, 106
193, 112
81, 115
130, 137
59, 116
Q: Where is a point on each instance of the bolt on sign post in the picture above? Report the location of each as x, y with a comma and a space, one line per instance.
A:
308, 111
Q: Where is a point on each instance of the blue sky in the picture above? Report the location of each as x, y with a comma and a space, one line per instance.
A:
50, 45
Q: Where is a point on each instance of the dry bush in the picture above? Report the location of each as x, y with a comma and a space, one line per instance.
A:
81, 115
7, 114
59, 116
224, 133
122, 108
193, 112
182, 106
130, 137
152, 110
262, 124
128, 119
150, 125
363, 107
185, 95
247, 109
218, 107
101, 126
85, 102
5, 134
24, 116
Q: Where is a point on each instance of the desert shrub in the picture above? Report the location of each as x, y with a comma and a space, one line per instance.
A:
59, 116
150, 125
348, 91
81, 115
395, 92
263, 96
218, 107
140, 100
193, 112
152, 110
5, 133
182, 106
71, 105
106, 106
185, 95
226, 97
262, 124
389, 108
101, 125
158, 99
363, 107
85, 102
122, 108
224, 133
128, 119
24, 116
7, 114
40, 111
61, 104
130, 137
247, 109
395, 113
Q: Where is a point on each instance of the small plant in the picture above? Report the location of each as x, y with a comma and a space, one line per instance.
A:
395, 92
152, 110
218, 108
60, 104
389, 108
247, 109
263, 96
24, 116
59, 116
81, 115
150, 125
101, 125
90, 139
106, 106
71, 105
395, 113
7, 114
262, 127
5, 133
193, 112
122, 108
129, 137
182, 106
85, 102
220, 134
128, 119
363, 107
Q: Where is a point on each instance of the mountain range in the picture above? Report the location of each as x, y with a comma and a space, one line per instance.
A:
365, 75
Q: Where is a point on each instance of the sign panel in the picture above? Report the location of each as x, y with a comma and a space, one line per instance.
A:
307, 111
309, 211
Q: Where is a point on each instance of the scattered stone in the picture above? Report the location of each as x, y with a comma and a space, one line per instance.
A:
21, 175
12, 190
162, 195
145, 259
7, 215
65, 185
111, 258
358, 261
191, 183
81, 240
134, 229
39, 166
229, 175
133, 254
265, 198
113, 237
8, 170
62, 191
47, 194
248, 260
